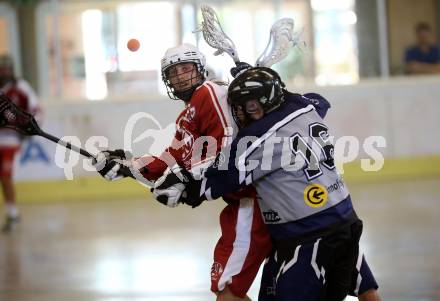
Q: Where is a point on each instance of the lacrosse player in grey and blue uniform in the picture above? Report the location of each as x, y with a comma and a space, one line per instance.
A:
284, 150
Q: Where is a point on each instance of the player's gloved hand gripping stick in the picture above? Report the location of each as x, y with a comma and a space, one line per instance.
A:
177, 185
23, 122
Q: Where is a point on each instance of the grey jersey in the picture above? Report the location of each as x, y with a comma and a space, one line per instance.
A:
301, 180
288, 157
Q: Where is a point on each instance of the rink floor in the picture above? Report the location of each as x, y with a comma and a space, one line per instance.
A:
139, 250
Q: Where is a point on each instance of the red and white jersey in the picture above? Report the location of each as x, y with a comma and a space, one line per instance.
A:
24, 86
8, 137
207, 114
245, 241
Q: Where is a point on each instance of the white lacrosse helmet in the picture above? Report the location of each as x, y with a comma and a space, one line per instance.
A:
182, 53
185, 53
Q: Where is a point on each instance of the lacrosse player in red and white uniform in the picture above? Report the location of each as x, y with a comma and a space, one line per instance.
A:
245, 242
10, 141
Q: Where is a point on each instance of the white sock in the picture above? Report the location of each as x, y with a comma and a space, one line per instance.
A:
11, 210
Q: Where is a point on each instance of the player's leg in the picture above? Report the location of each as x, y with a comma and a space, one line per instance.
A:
6, 165
243, 246
343, 261
8, 189
313, 269
299, 274
268, 279
364, 284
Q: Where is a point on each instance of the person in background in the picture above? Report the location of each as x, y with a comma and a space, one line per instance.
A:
423, 57
21, 93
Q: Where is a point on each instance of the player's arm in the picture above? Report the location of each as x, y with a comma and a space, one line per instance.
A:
247, 162
152, 167
236, 166
206, 117
251, 158
117, 164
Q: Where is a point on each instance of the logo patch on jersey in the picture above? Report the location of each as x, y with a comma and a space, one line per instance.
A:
190, 113
337, 185
315, 195
216, 271
188, 142
271, 216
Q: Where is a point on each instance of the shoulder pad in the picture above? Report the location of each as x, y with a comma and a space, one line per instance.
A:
319, 102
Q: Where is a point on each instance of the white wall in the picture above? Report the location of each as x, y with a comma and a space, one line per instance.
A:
404, 110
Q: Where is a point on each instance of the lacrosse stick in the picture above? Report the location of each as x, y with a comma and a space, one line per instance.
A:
14, 118
282, 39
214, 35
21, 121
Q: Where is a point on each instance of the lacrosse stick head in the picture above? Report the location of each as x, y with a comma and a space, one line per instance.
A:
214, 34
11, 116
282, 39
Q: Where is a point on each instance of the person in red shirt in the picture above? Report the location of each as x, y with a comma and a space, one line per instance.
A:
10, 141
202, 128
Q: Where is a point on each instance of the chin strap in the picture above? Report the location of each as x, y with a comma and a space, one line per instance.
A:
185, 95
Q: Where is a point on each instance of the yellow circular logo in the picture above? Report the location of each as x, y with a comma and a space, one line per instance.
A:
315, 195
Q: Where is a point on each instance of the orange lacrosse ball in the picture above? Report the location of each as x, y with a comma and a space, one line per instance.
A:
133, 44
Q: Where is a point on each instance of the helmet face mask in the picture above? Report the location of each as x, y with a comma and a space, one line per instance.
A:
183, 70
181, 79
244, 114
254, 93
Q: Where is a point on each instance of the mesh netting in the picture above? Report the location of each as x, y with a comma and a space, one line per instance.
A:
17, 119
282, 39
214, 34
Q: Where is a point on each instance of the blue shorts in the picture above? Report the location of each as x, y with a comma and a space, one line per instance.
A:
321, 269
362, 278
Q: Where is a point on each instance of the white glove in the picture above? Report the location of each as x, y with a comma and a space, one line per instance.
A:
169, 189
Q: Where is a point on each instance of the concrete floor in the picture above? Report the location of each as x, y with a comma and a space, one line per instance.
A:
139, 250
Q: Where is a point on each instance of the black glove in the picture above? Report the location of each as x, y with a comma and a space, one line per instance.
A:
241, 67
192, 197
107, 166
177, 186
169, 188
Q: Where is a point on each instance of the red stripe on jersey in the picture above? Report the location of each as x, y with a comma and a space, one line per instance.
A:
217, 106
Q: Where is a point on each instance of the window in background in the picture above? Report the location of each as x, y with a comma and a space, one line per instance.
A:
93, 59
9, 43
335, 42
230, 15
255, 20
154, 24
4, 36
189, 23
298, 67
402, 17
84, 49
